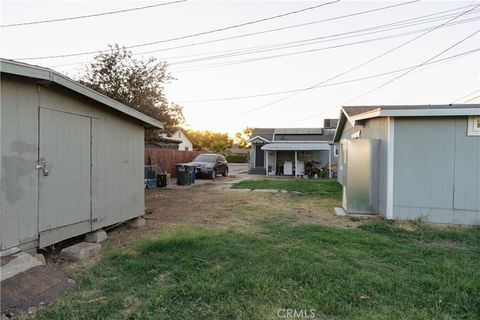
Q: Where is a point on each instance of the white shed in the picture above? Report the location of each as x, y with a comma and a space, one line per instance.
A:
72, 160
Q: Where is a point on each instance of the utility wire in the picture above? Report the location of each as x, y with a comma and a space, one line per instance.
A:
249, 60
426, 61
361, 64
472, 99
303, 51
89, 15
434, 64
422, 92
187, 36
330, 84
289, 27
465, 96
344, 35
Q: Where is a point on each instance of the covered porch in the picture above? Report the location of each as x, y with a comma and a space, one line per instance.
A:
297, 159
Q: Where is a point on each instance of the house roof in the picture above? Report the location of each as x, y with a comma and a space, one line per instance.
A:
355, 113
291, 134
41, 73
265, 133
292, 146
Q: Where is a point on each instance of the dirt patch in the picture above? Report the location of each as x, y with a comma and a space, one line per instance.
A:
208, 205
24, 293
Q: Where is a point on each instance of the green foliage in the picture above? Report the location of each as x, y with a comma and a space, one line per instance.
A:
241, 138
237, 158
203, 273
218, 142
135, 83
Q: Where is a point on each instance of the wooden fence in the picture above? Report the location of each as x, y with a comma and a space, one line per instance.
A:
168, 158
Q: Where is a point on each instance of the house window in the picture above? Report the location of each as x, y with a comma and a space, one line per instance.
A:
335, 150
473, 126
305, 153
186, 148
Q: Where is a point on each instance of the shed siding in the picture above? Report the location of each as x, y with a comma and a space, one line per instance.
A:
117, 159
19, 143
436, 171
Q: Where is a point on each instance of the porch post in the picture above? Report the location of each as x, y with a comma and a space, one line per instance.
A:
330, 162
274, 164
266, 162
296, 167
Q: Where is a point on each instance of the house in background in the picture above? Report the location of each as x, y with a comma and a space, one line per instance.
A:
286, 151
163, 143
410, 162
72, 160
180, 135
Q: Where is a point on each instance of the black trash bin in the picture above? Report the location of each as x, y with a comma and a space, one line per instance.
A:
184, 177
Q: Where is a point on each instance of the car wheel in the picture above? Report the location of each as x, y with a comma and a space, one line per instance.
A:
213, 174
225, 172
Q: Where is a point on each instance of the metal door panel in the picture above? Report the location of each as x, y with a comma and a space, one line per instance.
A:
361, 176
65, 193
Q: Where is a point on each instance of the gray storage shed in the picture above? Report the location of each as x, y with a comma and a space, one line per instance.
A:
409, 162
71, 159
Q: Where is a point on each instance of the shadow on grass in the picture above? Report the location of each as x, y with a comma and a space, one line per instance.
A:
192, 272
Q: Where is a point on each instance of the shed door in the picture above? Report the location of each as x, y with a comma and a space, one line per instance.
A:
65, 193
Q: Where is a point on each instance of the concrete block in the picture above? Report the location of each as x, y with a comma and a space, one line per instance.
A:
339, 211
96, 236
81, 251
136, 223
40, 258
20, 262
266, 190
240, 190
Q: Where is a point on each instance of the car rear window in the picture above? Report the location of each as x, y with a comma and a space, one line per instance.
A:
205, 158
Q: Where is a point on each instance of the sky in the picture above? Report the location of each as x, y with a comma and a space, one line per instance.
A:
251, 75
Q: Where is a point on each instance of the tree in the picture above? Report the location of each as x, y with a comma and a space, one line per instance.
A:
217, 142
135, 83
241, 138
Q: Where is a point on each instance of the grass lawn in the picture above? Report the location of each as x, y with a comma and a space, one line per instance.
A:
376, 271
315, 187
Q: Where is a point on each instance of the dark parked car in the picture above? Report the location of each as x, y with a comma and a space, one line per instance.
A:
209, 165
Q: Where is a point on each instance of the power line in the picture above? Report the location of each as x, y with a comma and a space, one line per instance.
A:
426, 61
422, 92
436, 62
353, 33
330, 84
186, 36
472, 99
304, 51
359, 65
465, 96
89, 15
289, 27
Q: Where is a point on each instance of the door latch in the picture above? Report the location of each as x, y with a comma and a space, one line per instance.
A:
42, 165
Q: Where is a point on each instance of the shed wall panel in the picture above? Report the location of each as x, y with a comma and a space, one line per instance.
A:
19, 179
436, 170
424, 162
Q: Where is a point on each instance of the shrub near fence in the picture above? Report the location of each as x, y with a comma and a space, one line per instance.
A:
168, 158
237, 158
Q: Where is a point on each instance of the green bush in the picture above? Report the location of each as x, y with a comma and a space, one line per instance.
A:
236, 158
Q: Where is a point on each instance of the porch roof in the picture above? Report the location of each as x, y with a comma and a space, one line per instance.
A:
299, 146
